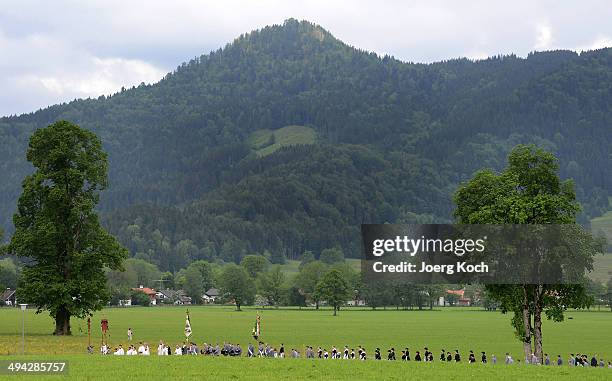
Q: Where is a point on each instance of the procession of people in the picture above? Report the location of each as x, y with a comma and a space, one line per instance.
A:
265, 350
261, 349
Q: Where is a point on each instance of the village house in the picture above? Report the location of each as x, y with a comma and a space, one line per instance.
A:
210, 296
9, 298
149, 292
177, 297
461, 299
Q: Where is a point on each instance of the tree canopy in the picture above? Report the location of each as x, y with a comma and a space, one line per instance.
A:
236, 285
528, 191
308, 278
331, 256
334, 289
270, 285
57, 229
254, 264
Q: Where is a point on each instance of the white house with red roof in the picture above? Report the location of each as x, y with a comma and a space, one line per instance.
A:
151, 293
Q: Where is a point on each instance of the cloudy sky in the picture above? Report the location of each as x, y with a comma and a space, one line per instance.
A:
55, 51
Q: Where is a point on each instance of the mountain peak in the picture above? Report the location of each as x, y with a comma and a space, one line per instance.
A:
290, 37
302, 28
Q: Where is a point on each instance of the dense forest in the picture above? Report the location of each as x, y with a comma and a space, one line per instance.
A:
392, 142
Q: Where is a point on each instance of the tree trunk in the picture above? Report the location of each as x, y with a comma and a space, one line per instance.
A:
335, 308
526, 317
238, 307
62, 322
537, 324
317, 305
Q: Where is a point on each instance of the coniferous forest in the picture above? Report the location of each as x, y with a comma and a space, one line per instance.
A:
203, 165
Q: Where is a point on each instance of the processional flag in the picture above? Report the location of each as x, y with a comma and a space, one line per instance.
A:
257, 328
187, 326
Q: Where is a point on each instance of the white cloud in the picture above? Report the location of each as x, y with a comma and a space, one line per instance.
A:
102, 76
544, 37
598, 43
42, 70
476, 55
56, 51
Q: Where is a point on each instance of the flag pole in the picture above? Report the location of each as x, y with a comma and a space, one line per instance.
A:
188, 330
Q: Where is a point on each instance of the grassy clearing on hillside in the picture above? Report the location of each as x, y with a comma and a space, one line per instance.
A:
603, 224
602, 268
260, 139
265, 142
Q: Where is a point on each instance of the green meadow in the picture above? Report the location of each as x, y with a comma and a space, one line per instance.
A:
464, 329
265, 142
602, 266
449, 328
602, 225
83, 367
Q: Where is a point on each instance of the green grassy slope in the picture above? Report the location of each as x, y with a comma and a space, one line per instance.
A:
602, 270
603, 224
265, 142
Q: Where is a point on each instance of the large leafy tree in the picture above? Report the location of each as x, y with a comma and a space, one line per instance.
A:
254, 264
331, 256
196, 279
236, 284
334, 289
270, 285
57, 230
306, 258
528, 191
308, 277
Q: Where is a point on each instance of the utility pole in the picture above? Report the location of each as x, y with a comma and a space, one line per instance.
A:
23, 309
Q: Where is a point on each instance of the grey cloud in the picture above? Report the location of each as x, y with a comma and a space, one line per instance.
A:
56, 51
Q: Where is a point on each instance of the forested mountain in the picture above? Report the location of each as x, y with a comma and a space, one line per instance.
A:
197, 170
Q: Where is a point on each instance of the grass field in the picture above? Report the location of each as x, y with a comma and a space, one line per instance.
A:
83, 367
449, 328
265, 142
